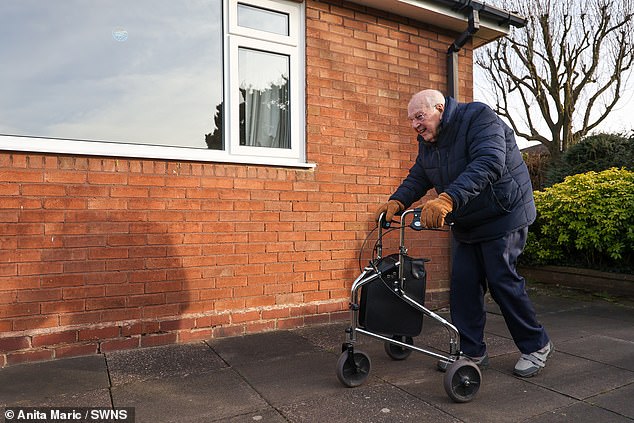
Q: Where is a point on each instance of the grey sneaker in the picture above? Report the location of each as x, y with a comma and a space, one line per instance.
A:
481, 362
530, 364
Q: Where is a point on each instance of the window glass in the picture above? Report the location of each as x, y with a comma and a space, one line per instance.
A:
262, 19
264, 99
141, 72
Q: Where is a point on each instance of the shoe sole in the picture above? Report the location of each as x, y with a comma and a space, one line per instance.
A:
529, 374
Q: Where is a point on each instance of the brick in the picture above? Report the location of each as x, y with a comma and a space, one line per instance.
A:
276, 313
172, 325
39, 295
82, 318
56, 176
93, 304
29, 356
107, 178
36, 322
257, 327
290, 323
65, 306
76, 350
14, 344
50, 339
158, 339
225, 331
119, 344
245, 317
98, 334
194, 335
16, 310
12, 175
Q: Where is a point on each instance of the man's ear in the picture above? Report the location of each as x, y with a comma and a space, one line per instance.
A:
440, 107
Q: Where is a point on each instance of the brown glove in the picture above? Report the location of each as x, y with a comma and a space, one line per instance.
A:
390, 209
434, 211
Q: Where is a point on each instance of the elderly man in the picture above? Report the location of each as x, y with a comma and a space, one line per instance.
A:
469, 155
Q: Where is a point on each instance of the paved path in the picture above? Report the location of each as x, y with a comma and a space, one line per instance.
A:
289, 376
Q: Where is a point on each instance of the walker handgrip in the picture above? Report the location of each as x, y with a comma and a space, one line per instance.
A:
382, 223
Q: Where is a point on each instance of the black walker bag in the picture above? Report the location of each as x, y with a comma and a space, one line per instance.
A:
382, 310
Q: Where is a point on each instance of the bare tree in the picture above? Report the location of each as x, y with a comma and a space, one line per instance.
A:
560, 76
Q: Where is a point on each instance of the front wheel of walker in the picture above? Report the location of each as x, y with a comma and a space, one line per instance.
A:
462, 380
353, 368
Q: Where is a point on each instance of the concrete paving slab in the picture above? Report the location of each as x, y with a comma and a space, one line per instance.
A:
415, 367
568, 325
261, 346
267, 416
367, 403
91, 398
299, 377
211, 396
579, 412
604, 349
39, 383
574, 376
500, 399
544, 302
608, 310
625, 332
618, 401
161, 362
327, 337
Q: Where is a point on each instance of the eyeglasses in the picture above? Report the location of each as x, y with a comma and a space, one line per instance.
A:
420, 116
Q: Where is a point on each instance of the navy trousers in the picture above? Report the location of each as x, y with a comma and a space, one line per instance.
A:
492, 265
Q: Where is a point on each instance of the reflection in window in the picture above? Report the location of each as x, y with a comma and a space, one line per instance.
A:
264, 97
262, 19
140, 72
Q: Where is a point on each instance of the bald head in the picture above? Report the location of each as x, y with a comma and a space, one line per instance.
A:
426, 99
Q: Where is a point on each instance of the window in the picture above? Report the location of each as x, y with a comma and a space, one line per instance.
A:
264, 93
210, 80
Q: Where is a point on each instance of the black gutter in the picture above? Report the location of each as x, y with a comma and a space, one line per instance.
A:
501, 17
475, 10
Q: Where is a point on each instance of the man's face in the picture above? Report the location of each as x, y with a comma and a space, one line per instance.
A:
425, 120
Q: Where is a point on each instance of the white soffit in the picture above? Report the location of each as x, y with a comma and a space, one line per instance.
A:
439, 16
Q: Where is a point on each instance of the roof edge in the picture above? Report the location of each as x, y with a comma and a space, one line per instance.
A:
453, 15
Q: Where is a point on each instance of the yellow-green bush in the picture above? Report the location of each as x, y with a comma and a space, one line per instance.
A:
588, 218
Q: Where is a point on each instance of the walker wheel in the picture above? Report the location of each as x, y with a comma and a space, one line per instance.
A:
396, 352
462, 380
353, 371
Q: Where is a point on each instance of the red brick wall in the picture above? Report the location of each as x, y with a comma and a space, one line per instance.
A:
100, 254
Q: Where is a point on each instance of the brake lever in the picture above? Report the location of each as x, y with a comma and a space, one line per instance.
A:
416, 224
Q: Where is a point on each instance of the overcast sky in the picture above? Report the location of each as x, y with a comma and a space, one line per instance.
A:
142, 70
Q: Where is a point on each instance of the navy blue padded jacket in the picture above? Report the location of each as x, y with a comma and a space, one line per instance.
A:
476, 161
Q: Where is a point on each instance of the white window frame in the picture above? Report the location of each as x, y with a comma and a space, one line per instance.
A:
291, 9
274, 43
235, 36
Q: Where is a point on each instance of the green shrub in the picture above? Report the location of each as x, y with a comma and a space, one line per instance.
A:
595, 152
587, 219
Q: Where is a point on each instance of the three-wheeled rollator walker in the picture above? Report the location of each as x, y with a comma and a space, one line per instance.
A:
387, 303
